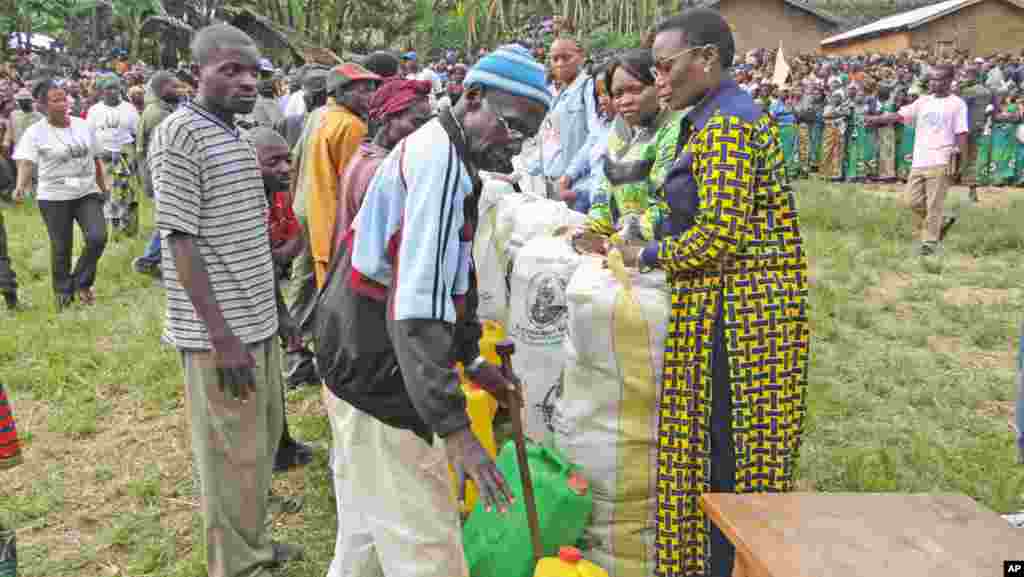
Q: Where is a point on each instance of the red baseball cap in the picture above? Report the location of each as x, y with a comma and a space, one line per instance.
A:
349, 72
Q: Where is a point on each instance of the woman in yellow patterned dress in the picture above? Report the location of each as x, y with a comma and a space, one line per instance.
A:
733, 398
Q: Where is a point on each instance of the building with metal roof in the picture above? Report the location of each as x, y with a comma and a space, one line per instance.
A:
979, 27
798, 26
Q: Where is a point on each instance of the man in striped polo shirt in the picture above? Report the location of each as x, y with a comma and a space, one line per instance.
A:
221, 306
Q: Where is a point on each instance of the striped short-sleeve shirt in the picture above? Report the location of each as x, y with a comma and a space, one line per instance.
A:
208, 185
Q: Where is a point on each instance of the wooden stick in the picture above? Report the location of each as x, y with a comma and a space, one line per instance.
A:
505, 350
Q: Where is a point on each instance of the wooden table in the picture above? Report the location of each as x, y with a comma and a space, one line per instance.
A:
870, 535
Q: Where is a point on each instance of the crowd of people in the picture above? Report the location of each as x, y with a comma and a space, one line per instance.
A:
360, 181
828, 110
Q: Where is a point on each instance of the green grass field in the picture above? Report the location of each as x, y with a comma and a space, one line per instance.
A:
911, 390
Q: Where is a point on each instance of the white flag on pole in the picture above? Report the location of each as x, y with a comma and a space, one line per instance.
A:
781, 68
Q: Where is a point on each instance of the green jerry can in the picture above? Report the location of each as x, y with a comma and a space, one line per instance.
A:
498, 544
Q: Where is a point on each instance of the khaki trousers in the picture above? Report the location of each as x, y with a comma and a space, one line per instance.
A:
233, 444
926, 193
396, 513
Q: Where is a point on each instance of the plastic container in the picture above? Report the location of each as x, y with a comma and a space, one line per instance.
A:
498, 544
569, 563
481, 407
493, 333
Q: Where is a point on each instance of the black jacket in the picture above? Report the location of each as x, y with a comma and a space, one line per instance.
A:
355, 355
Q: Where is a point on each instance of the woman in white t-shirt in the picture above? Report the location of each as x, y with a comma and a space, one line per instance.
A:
64, 151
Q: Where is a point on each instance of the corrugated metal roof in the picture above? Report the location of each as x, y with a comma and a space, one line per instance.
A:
831, 19
906, 20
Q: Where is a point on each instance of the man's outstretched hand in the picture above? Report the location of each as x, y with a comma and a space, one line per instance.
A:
471, 461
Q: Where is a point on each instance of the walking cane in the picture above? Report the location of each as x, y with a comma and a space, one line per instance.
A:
505, 350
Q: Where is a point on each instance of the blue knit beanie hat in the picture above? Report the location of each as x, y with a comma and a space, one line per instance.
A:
511, 68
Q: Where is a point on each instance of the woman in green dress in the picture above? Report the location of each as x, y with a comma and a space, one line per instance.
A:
1002, 167
641, 148
905, 143
983, 170
782, 111
1019, 159
861, 148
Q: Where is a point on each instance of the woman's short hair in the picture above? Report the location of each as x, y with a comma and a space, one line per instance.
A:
638, 62
704, 26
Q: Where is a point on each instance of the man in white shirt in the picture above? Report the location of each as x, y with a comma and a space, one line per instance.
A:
940, 121
115, 122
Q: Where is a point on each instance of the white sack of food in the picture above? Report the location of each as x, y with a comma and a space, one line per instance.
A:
528, 182
605, 417
538, 324
489, 249
540, 217
507, 222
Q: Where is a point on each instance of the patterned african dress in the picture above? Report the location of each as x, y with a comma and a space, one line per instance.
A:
887, 145
10, 456
904, 150
122, 208
626, 201
10, 449
737, 348
833, 143
804, 147
1002, 167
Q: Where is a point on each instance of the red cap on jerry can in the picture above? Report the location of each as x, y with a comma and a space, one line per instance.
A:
578, 484
570, 554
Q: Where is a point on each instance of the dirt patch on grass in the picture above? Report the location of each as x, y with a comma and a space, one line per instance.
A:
137, 464
966, 296
997, 409
104, 477
972, 358
889, 287
998, 198
962, 262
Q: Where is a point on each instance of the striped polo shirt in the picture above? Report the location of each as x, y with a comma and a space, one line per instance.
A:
208, 185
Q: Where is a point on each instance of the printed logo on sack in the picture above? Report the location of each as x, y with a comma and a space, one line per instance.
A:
546, 408
546, 309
